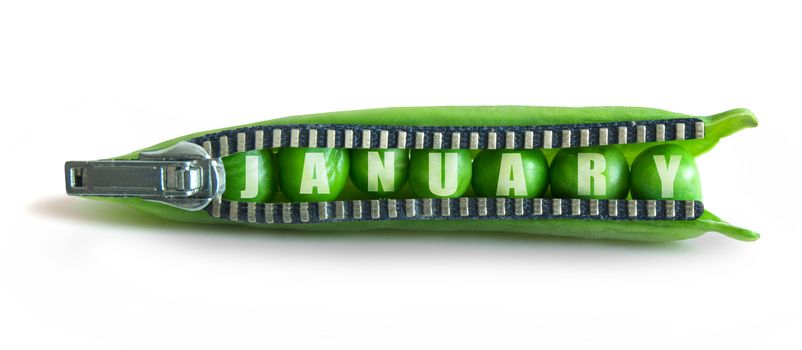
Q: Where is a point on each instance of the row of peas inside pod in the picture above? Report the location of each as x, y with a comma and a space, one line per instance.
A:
665, 171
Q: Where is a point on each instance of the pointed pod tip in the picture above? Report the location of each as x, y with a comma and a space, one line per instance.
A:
739, 233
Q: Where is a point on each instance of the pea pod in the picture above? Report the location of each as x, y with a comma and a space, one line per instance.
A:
192, 192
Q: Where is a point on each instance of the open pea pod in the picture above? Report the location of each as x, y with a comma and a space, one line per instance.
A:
185, 178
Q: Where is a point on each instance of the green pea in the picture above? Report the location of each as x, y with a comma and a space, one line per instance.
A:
250, 176
665, 172
509, 173
591, 172
382, 172
312, 174
440, 173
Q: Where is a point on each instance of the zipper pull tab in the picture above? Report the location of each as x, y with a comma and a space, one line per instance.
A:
184, 176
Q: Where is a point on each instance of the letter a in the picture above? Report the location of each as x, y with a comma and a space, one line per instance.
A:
314, 174
511, 175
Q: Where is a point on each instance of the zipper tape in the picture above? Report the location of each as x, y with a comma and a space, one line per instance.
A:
466, 208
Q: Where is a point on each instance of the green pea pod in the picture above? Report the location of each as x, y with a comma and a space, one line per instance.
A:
630, 129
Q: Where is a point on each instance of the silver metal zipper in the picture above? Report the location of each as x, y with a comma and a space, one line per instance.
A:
183, 176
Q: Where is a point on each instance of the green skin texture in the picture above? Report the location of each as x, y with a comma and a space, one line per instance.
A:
645, 180
564, 171
291, 165
487, 167
716, 127
419, 172
359, 170
235, 176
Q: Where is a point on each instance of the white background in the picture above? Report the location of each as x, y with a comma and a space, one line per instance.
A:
93, 79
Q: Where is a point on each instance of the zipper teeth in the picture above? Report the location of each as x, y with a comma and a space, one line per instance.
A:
227, 142
224, 143
366, 210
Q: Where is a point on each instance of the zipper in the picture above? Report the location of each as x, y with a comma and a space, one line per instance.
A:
190, 175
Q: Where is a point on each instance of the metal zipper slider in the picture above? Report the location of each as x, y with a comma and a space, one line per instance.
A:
184, 176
